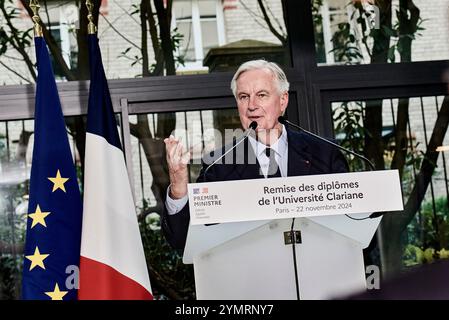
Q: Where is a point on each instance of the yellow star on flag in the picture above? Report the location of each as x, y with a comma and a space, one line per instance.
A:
56, 294
37, 259
58, 182
38, 217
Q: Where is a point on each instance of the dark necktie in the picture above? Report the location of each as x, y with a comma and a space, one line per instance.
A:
273, 167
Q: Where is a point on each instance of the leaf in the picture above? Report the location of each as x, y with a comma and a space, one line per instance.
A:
343, 26
388, 31
391, 55
428, 254
136, 9
443, 254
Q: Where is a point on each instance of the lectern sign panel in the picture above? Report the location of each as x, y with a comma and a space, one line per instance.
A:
301, 196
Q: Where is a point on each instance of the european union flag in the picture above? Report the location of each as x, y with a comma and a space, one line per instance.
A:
52, 247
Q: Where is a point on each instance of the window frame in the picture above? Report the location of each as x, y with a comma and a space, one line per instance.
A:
198, 46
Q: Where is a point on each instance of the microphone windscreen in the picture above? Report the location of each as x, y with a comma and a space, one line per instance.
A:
253, 125
281, 119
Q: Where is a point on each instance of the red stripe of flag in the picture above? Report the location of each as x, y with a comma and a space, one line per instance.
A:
99, 281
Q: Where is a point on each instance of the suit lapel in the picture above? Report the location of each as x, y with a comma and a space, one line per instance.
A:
299, 158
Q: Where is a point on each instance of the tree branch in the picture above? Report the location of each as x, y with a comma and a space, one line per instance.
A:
270, 25
428, 166
381, 38
164, 17
117, 3
414, 15
158, 54
15, 72
119, 33
52, 45
161, 282
400, 152
407, 26
16, 43
12, 58
48, 15
284, 34
143, 28
256, 16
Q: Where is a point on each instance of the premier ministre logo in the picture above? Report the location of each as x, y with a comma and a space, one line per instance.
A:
200, 190
202, 198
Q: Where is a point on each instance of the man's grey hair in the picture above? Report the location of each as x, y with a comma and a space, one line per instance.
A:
281, 79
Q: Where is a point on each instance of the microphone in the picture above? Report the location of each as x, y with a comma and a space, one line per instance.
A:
284, 121
252, 127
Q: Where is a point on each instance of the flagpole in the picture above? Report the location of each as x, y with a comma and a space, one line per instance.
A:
91, 27
34, 5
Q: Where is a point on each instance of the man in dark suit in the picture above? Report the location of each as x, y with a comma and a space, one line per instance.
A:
261, 92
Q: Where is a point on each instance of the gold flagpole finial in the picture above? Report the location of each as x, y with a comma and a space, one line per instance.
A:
91, 27
34, 5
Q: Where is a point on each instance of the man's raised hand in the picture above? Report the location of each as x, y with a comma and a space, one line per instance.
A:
177, 160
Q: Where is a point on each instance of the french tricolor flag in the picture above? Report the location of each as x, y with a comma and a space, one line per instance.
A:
112, 264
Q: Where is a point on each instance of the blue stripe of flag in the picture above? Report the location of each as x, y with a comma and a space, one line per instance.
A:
100, 120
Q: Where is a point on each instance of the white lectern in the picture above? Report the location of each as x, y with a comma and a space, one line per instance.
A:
251, 260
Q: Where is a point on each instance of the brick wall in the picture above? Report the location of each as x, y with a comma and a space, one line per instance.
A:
244, 20
434, 42
113, 42
7, 77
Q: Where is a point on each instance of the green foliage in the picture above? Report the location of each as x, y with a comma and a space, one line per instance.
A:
414, 255
13, 223
3, 150
13, 215
135, 9
346, 48
349, 129
348, 41
3, 41
413, 161
396, 37
318, 30
8, 273
136, 58
170, 278
18, 37
431, 226
176, 39
428, 234
12, 234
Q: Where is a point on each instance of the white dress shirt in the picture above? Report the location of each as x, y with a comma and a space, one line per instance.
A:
280, 147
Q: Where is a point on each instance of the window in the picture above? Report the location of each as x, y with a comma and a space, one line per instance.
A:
200, 22
62, 27
361, 32
337, 20
332, 14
